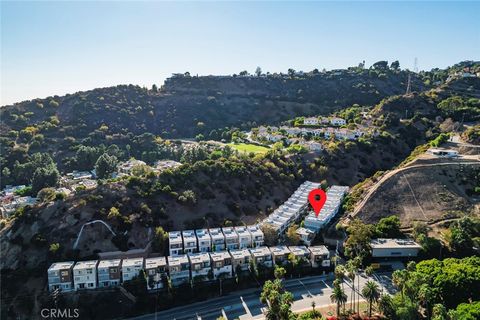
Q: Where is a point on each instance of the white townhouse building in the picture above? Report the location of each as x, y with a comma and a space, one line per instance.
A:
257, 236
179, 269
60, 276
244, 237
221, 264
175, 243
200, 265
337, 122
204, 240
218, 239
331, 207
131, 268
156, 272
109, 273
394, 248
231, 238
85, 275
302, 253
189, 241
306, 235
280, 254
240, 259
319, 256
311, 121
263, 256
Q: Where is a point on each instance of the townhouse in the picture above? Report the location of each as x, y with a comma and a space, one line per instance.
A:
218, 239
257, 236
179, 269
319, 256
204, 240
301, 253
109, 273
310, 121
156, 272
231, 238
240, 259
335, 195
280, 255
200, 265
60, 276
131, 268
306, 235
85, 275
244, 237
337, 122
262, 256
221, 264
175, 243
189, 241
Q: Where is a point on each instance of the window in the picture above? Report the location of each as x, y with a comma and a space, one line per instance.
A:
151, 272
64, 273
90, 285
218, 264
89, 271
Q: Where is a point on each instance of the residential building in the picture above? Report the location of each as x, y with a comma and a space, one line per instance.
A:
280, 255
189, 241
204, 240
127, 166
131, 268
218, 239
311, 121
231, 238
179, 269
446, 153
60, 276
337, 122
221, 264
200, 265
240, 259
263, 256
109, 273
175, 243
319, 256
394, 248
156, 272
306, 235
85, 275
244, 237
301, 253
312, 146
331, 207
163, 165
257, 236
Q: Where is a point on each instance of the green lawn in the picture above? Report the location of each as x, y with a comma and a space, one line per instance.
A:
244, 147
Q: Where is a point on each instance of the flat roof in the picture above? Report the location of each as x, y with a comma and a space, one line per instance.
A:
299, 250
279, 250
387, 243
222, 255
109, 263
198, 257
240, 253
132, 262
261, 251
155, 262
316, 250
202, 234
177, 260
86, 264
61, 265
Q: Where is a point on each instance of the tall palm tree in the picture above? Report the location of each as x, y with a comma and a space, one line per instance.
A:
351, 273
371, 293
399, 278
339, 297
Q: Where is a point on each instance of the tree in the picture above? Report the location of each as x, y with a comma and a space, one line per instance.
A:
258, 71
279, 272
292, 237
466, 311
54, 248
270, 235
385, 306
277, 299
46, 194
380, 65
395, 65
105, 166
371, 293
399, 279
291, 72
154, 88
86, 157
358, 241
338, 297
160, 240
388, 227
45, 177
439, 312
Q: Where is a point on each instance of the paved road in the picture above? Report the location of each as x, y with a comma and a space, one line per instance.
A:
246, 304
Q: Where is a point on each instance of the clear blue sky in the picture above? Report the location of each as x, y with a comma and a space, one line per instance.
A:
50, 48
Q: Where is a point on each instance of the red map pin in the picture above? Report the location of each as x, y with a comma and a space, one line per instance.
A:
317, 198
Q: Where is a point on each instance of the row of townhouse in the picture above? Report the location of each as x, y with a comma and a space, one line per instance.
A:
200, 266
334, 121
313, 223
214, 239
291, 210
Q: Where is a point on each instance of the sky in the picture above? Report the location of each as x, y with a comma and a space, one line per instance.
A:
54, 48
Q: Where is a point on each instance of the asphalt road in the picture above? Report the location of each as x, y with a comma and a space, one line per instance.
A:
246, 304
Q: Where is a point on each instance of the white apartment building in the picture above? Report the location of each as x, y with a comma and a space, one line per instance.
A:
200, 265
335, 196
302, 253
231, 238
319, 256
204, 240
60, 276
175, 243
109, 273
257, 236
280, 255
179, 269
85, 275
337, 122
218, 239
306, 235
240, 259
156, 272
221, 264
310, 121
244, 237
131, 268
189, 241
263, 256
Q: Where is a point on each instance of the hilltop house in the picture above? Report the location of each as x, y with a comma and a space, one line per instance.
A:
337, 122
131, 268
109, 273
85, 275
60, 276
311, 121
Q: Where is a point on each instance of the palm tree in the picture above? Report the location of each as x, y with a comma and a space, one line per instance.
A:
385, 306
340, 272
399, 278
313, 307
351, 273
339, 297
371, 293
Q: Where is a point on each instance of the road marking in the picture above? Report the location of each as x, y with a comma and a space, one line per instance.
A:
224, 314
326, 285
247, 310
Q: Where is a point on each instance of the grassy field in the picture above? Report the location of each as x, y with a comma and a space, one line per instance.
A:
245, 147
